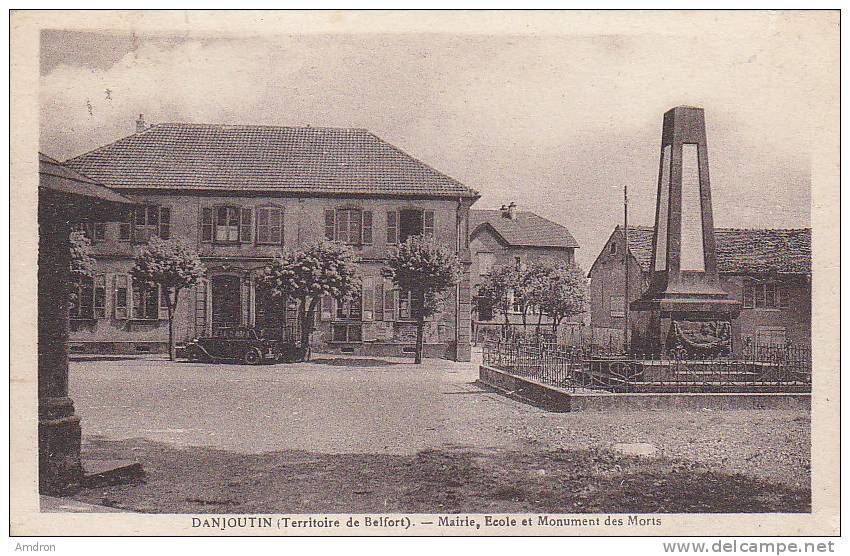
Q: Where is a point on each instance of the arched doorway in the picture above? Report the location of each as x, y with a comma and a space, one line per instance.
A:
226, 301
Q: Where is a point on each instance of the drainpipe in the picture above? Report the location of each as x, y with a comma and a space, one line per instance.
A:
457, 286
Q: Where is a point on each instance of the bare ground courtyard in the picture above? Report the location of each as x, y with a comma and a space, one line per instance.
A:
372, 435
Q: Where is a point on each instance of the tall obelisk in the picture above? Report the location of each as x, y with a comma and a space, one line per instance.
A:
684, 309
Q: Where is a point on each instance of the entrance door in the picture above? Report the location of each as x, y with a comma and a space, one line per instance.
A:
226, 302
270, 310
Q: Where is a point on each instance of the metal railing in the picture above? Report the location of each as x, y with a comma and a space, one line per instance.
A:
574, 368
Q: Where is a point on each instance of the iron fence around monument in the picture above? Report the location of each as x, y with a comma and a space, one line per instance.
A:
583, 368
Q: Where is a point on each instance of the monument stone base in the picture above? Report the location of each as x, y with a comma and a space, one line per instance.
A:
691, 328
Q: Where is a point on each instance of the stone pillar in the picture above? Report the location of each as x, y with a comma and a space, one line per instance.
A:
689, 309
59, 435
464, 318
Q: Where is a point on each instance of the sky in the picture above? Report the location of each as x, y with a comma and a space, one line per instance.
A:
558, 124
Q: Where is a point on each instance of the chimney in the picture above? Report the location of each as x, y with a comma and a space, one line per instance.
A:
140, 124
512, 211
504, 210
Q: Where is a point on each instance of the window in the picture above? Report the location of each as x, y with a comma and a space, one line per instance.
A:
145, 223
269, 226
613, 248
618, 306
770, 336
347, 333
207, 224
368, 299
122, 295
145, 301
165, 222
125, 227
764, 295
349, 225
409, 222
88, 299
404, 306
227, 225
486, 261
95, 231
350, 310
392, 227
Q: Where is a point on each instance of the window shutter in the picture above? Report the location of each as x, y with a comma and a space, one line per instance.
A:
164, 222
379, 300
201, 309
245, 226
162, 311
277, 226
206, 224
367, 227
122, 296
392, 227
100, 296
327, 307
428, 227
330, 225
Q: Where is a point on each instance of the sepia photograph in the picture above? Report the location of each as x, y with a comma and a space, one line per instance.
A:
424, 273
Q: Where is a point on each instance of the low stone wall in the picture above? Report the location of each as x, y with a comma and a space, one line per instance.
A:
557, 399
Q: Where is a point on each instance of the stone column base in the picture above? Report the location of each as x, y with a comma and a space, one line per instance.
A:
59, 436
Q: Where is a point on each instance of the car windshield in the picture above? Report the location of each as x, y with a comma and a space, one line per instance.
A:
235, 333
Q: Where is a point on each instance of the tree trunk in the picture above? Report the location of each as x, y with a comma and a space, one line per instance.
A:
420, 333
306, 329
172, 307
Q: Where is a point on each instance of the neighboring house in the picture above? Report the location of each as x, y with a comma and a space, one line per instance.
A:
239, 194
510, 237
769, 271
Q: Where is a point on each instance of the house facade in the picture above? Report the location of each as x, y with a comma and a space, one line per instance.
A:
767, 270
511, 237
240, 194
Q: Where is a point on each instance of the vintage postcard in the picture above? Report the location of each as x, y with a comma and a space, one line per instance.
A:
424, 273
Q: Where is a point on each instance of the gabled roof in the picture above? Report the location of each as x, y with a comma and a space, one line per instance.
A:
242, 157
525, 230
741, 250
56, 177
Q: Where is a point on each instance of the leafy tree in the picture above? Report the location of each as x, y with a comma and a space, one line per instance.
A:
427, 271
535, 287
82, 261
174, 266
496, 291
323, 268
564, 293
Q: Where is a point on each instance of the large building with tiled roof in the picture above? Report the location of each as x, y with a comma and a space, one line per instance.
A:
767, 270
508, 236
242, 193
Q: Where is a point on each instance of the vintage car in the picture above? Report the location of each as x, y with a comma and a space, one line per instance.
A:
237, 343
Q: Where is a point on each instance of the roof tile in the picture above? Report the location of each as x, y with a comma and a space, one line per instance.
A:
743, 251
292, 159
526, 229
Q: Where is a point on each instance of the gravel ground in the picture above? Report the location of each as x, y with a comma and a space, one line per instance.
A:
385, 435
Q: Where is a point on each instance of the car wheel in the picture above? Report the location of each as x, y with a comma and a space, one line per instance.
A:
252, 357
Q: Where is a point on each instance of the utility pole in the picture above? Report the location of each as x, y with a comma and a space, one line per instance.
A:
626, 266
